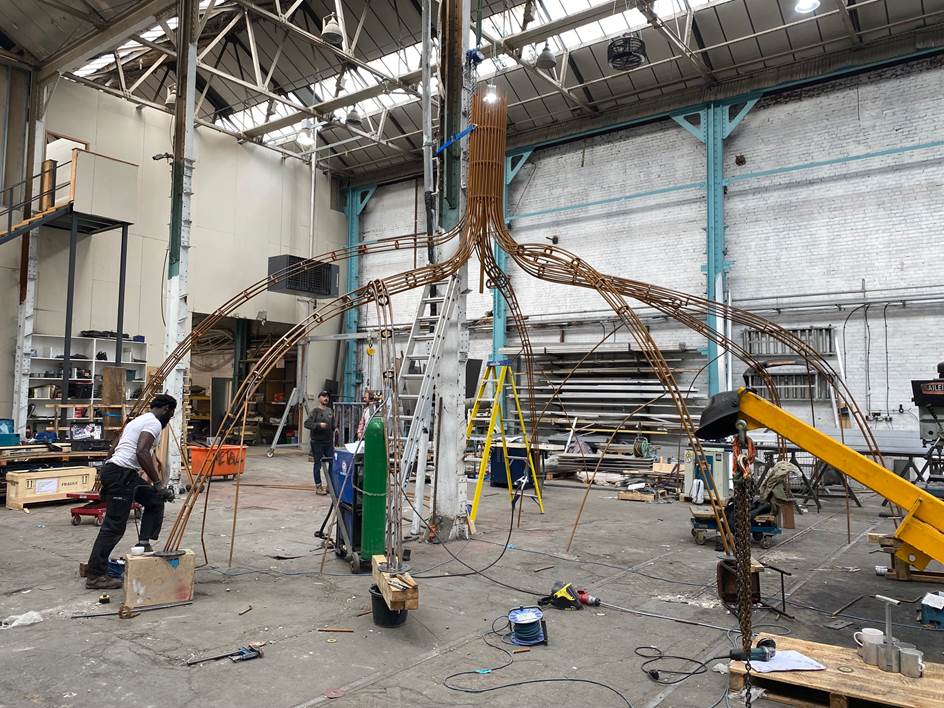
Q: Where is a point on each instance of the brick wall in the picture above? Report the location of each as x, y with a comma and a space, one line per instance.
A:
803, 233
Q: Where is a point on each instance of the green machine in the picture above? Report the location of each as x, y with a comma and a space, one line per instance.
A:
358, 486
374, 502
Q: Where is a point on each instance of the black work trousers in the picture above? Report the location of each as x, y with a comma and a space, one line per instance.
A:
121, 486
322, 451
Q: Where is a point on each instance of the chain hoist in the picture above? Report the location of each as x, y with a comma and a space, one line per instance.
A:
744, 453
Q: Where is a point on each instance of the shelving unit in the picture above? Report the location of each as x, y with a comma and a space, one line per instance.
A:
613, 381
45, 379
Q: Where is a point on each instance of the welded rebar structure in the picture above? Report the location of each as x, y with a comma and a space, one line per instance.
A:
482, 227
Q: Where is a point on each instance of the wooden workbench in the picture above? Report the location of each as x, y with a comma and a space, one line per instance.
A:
846, 681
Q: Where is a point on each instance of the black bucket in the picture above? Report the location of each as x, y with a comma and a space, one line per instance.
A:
383, 615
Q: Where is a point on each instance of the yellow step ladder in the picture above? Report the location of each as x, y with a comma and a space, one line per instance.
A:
500, 372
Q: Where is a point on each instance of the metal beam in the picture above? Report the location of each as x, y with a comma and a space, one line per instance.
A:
356, 201
846, 17
645, 7
254, 52
508, 45
144, 103
599, 11
213, 70
78, 14
141, 16
554, 83
313, 39
176, 302
513, 166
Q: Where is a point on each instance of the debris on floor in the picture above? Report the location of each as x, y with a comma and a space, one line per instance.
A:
24, 620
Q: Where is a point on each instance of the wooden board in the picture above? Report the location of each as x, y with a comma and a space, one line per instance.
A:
396, 599
632, 495
864, 685
153, 580
113, 385
43, 458
25, 488
702, 513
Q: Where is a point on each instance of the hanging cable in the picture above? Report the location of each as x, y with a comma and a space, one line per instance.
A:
845, 349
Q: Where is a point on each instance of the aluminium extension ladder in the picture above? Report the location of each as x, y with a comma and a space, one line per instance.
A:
416, 381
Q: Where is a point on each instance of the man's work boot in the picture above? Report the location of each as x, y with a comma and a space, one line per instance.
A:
321, 489
102, 582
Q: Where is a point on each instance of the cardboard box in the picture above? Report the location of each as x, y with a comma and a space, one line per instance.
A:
155, 580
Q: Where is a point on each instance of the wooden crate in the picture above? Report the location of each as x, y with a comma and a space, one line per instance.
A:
632, 495
155, 580
396, 599
47, 485
836, 687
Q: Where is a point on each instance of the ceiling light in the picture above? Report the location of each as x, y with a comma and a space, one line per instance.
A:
171, 98
546, 60
491, 94
805, 7
353, 117
626, 52
306, 136
331, 31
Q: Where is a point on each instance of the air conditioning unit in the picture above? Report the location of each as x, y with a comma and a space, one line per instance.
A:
320, 280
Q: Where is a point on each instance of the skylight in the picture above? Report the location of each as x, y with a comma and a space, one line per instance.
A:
407, 59
498, 25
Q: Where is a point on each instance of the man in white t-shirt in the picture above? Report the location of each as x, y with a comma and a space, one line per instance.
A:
123, 484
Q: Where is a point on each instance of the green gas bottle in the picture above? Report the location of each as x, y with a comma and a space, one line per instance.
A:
374, 501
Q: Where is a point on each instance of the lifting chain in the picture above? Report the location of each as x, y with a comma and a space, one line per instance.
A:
742, 449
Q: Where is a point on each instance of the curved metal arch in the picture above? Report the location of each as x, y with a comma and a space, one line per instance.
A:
484, 220
384, 245
366, 294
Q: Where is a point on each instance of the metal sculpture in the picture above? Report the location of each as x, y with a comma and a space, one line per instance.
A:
481, 229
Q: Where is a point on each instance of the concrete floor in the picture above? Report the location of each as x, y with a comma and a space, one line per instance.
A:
107, 661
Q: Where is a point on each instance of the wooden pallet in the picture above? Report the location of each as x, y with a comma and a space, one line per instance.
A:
655, 495
847, 682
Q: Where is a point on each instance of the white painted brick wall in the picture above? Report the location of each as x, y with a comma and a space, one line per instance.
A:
836, 227
805, 232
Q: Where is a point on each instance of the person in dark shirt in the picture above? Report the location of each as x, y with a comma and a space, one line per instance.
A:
321, 424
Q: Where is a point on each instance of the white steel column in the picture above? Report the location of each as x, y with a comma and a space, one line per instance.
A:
451, 496
36, 141
178, 267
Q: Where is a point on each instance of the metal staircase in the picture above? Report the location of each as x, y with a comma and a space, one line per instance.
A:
416, 382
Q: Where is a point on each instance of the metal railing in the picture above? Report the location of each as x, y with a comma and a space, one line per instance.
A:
46, 196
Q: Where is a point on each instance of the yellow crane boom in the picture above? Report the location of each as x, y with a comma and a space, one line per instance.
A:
921, 531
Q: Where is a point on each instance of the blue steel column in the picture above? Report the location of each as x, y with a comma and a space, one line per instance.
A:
513, 164
713, 128
715, 275
356, 201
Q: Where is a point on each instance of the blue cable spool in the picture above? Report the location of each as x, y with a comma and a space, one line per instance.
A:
526, 626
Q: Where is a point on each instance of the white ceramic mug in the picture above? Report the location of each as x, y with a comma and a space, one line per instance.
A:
869, 635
